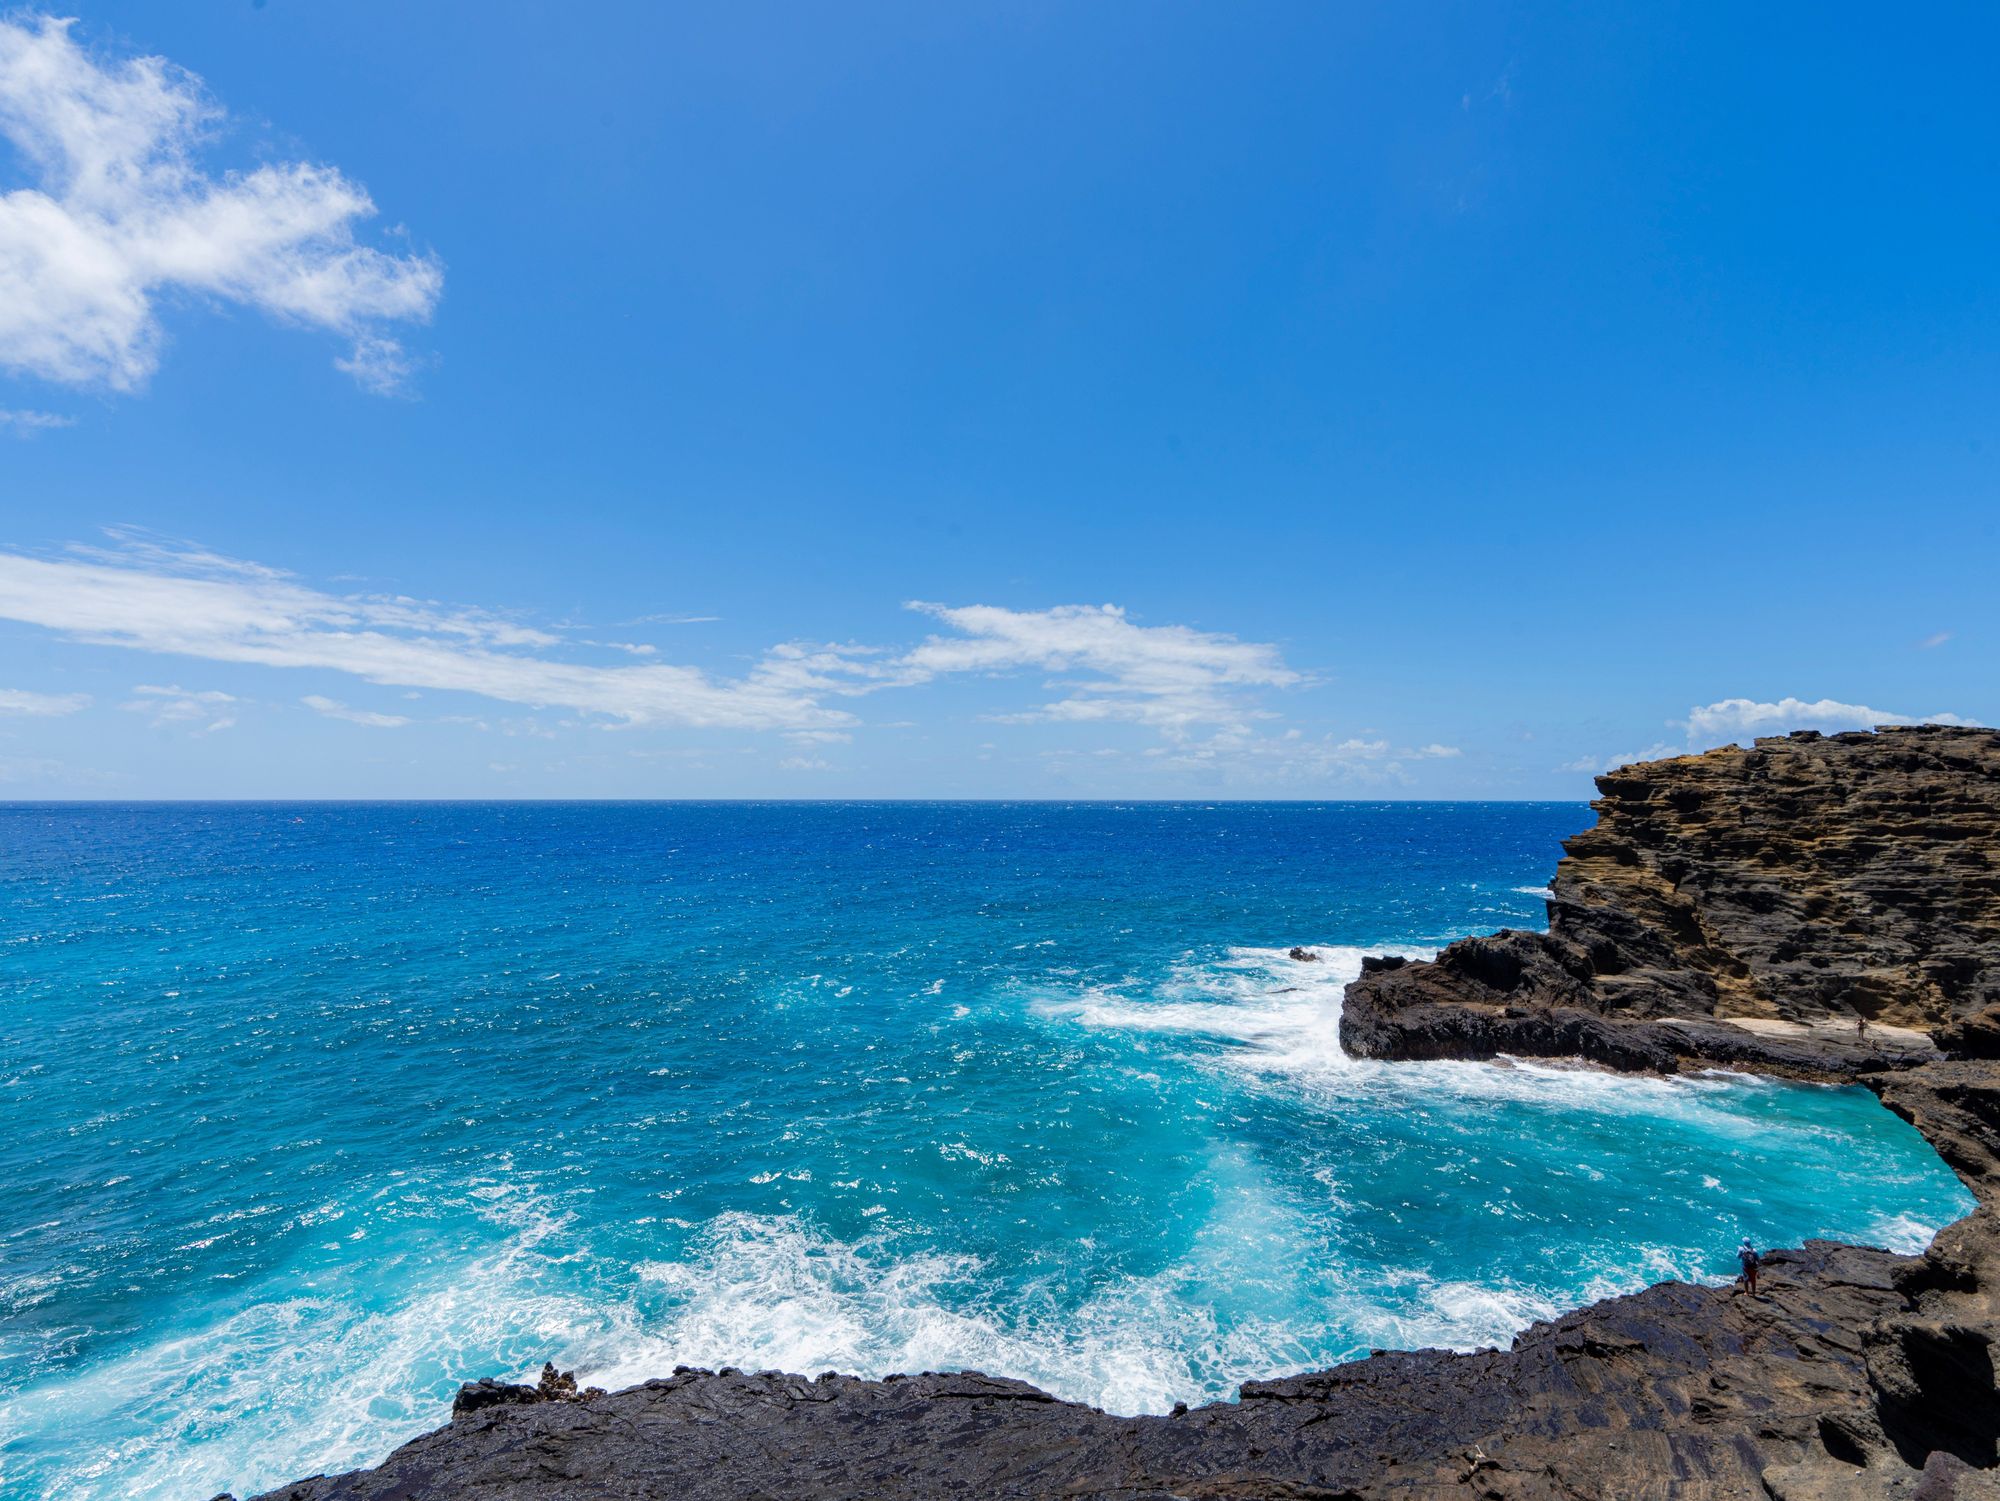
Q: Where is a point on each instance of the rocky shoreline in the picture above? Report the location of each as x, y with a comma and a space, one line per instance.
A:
1818, 907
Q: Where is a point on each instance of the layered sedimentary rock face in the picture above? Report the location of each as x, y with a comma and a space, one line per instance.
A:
1806, 877
1802, 886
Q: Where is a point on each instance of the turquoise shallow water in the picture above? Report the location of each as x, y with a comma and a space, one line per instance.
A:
309, 1112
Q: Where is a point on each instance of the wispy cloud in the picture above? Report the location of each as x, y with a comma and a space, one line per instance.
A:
41, 705
47, 771
333, 708
1294, 759
1500, 92
1934, 641
1199, 690
1170, 677
120, 211
1659, 750
155, 597
208, 709
27, 424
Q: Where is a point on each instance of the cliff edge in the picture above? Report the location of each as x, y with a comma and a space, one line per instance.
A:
1812, 905
1826, 907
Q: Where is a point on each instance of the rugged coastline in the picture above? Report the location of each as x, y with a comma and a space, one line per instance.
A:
1819, 907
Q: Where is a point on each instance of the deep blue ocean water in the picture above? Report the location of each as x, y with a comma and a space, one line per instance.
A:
309, 1112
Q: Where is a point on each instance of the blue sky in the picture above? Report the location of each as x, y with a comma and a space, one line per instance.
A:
1290, 401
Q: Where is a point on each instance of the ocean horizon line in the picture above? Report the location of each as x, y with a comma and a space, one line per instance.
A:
772, 802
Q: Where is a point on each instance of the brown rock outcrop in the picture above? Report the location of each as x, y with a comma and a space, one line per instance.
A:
1809, 905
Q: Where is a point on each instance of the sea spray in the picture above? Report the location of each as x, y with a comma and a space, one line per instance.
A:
306, 1122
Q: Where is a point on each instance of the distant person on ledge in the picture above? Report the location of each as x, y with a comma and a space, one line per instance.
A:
1747, 1255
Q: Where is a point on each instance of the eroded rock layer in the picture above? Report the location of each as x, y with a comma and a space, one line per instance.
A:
1748, 907
1810, 904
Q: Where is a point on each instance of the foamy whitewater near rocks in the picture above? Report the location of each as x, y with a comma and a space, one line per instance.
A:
1856, 1373
1036, 1091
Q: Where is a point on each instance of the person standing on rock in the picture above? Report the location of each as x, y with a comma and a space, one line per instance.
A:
1746, 1254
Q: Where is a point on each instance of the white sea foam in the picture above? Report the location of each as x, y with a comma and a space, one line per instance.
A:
1279, 1018
298, 1384
769, 1292
1901, 1232
304, 1384
1282, 1012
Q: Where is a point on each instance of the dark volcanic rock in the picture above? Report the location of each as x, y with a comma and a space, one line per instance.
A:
554, 1386
1699, 1389
1748, 908
1974, 1036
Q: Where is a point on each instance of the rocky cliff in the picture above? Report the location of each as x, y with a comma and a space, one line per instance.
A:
1748, 907
1812, 904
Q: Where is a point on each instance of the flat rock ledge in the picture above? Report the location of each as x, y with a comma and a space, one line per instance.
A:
1818, 907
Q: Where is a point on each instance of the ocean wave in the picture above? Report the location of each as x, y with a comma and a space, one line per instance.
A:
1284, 1013
305, 1384
1279, 1018
1903, 1233
291, 1385
774, 1292
1271, 1269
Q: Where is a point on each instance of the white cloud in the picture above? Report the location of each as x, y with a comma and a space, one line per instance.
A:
153, 597
1733, 720
1170, 677
177, 705
121, 213
1295, 760
41, 705
26, 424
333, 708
149, 595
1932, 642
380, 365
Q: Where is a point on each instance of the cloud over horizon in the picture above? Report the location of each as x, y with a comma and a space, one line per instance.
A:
174, 599
41, 705
1169, 677
1731, 720
120, 214
186, 602
209, 709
